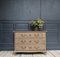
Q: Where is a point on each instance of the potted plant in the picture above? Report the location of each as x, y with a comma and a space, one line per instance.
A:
37, 24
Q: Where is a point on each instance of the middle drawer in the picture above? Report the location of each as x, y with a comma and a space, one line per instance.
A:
27, 41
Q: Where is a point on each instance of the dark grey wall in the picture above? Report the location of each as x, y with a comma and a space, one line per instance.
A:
50, 9
20, 9
17, 15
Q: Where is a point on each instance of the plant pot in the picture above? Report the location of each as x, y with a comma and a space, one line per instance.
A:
36, 29
40, 29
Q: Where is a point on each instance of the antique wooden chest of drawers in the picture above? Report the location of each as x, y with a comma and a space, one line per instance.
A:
30, 41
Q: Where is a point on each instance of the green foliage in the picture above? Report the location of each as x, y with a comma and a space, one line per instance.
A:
38, 23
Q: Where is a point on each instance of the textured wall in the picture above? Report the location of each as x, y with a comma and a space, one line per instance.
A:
20, 9
17, 15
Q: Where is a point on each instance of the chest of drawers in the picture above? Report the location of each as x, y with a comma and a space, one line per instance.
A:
30, 41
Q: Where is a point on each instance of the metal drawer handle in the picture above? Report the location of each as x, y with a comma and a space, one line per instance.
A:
36, 47
36, 41
30, 47
23, 47
23, 41
30, 41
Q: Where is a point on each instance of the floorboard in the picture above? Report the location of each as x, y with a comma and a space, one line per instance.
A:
55, 53
49, 53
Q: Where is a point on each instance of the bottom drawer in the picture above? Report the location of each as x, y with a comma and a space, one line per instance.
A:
27, 48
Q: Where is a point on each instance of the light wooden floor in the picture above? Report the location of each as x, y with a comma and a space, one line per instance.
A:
50, 53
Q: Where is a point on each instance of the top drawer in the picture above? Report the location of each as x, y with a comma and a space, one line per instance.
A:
30, 34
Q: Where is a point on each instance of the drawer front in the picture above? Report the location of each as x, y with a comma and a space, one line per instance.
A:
28, 41
19, 47
30, 35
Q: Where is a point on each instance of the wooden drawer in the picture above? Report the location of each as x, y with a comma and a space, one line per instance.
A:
30, 35
19, 47
30, 41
